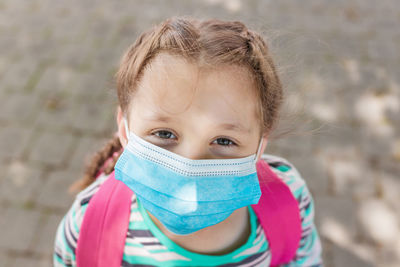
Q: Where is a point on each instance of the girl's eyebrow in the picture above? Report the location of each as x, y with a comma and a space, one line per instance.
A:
226, 126
234, 127
157, 117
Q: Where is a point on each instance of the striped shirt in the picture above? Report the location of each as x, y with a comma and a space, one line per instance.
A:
146, 245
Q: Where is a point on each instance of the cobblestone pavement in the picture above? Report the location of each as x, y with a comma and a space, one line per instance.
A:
340, 65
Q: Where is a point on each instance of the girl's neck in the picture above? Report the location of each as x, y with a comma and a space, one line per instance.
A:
218, 239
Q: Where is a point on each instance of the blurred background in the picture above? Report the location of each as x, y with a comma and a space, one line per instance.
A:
340, 65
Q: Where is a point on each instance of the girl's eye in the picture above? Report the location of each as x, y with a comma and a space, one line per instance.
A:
224, 142
164, 134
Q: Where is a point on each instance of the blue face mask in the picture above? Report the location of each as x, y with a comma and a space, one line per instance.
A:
187, 195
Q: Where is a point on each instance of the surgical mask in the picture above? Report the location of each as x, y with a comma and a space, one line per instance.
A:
186, 195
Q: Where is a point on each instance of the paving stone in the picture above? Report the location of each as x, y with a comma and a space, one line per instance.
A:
52, 148
368, 185
5, 259
345, 175
313, 172
294, 145
326, 252
338, 136
273, 149
378, 222
54, 192
380, 51
110, 53
344, 166
373, 76
47, 260
390, 184
344, 257
17, 76
96, 84
57, 112
13, 141
86, 148
4, 63
94, 117
64, 36
22, 261
335, 218
389, 255
76, 56
46, 236
19, 107
56, 79
345, 46
33, 42
19, 182
18, 228
376, 147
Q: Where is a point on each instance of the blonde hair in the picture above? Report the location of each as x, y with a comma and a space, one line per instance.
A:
212, 42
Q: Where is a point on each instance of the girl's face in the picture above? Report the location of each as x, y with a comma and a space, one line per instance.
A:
198, 113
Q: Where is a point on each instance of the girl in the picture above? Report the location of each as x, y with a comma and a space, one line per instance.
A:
197, 102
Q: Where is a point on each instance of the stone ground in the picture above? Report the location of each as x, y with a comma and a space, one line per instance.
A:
339, 61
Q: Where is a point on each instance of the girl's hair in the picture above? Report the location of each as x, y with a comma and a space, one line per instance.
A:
212, 42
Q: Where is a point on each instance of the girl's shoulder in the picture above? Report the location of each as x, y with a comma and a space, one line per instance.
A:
82, 200
288, 173
86, 194
69, 228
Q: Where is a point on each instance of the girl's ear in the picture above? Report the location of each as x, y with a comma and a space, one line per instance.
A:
121, 128
263, 146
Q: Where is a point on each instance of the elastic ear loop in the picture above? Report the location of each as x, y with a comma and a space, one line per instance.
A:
261, 139
259, 148
126, 128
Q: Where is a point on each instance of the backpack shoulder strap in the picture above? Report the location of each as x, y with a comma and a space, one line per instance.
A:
103, 231
279, 215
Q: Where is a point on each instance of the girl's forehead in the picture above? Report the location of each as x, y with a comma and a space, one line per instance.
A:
170, 69
174, 85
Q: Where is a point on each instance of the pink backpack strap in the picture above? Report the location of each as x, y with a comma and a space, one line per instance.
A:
104, 227
279, 215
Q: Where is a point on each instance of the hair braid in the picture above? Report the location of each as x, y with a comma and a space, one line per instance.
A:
272, 94
102, 161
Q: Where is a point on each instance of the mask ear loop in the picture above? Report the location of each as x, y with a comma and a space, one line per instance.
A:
126, 128
261, 139
259, 148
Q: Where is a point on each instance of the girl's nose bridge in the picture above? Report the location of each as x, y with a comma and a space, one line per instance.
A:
194, 149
